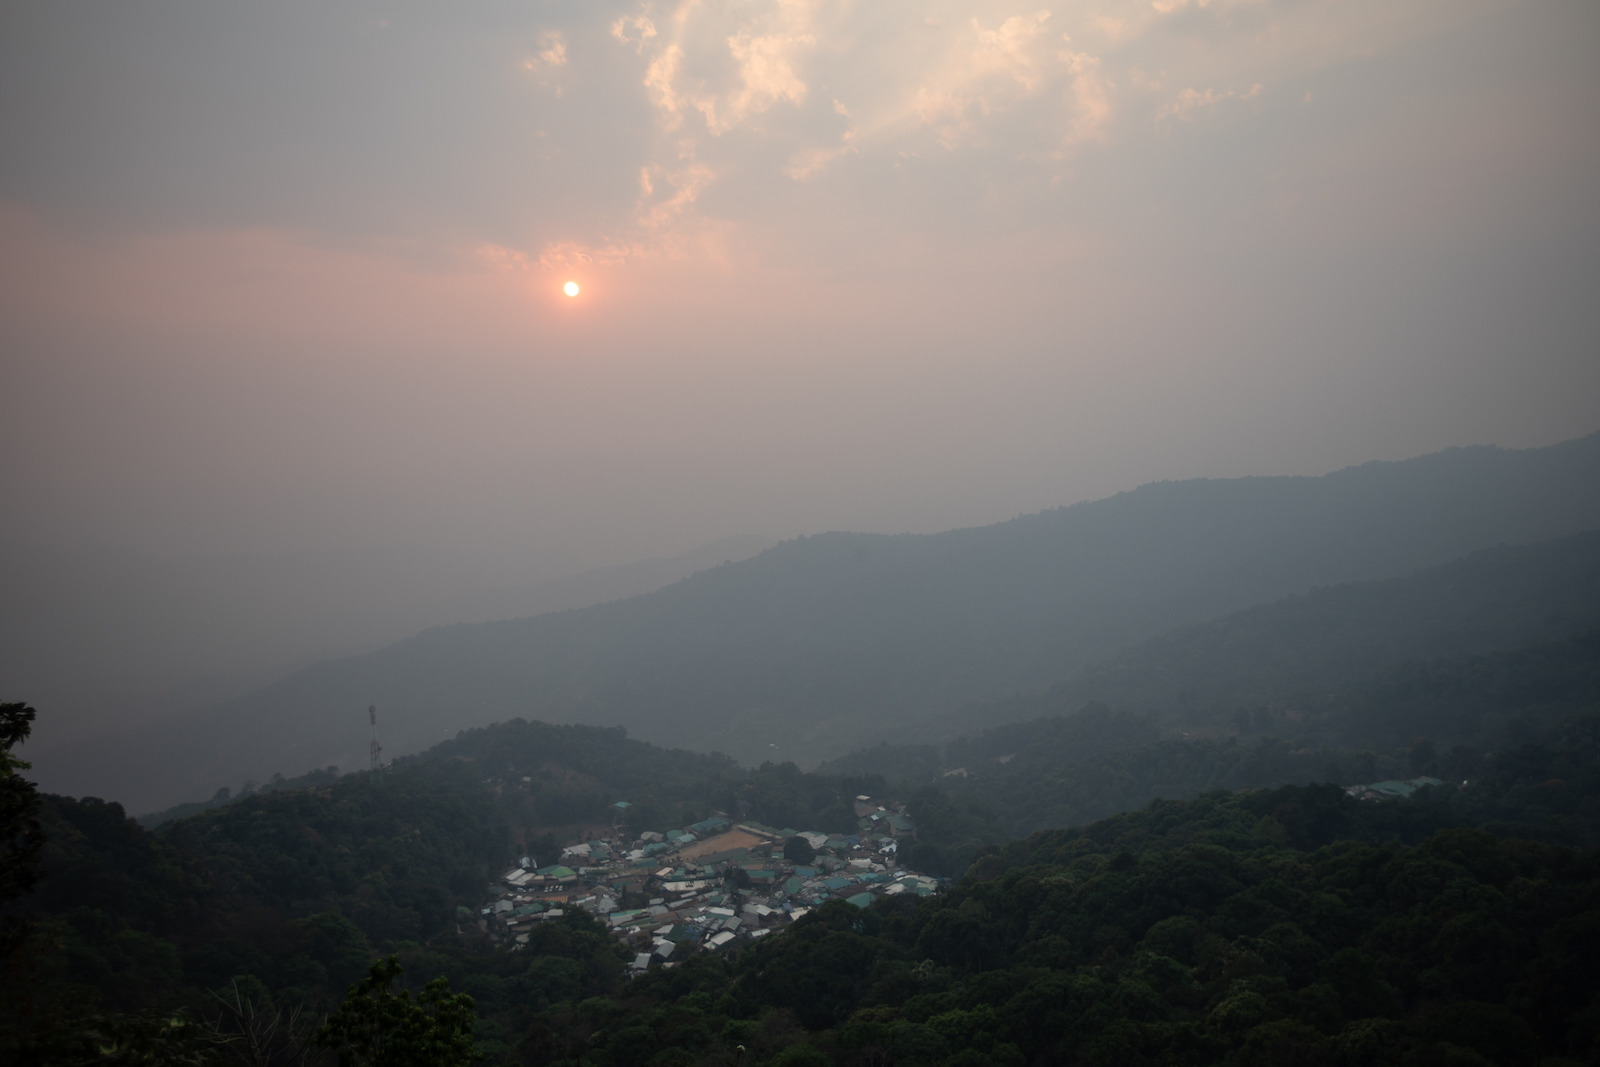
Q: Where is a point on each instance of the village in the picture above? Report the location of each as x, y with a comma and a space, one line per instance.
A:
707, 886
1392, 790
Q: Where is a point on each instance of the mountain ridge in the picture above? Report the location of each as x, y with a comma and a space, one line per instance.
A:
794, 653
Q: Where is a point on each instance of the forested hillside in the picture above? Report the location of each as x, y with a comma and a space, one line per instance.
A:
292, 891
1298, 650
1295, 925
1267, 928
1457, 718
1242, 913
1304, 652
826, 642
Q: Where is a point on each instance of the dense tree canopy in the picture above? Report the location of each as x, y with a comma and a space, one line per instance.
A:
20, 835
1259, 928
1266, 918
376, 1027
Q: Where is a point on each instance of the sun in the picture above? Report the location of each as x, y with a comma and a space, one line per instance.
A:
571, 288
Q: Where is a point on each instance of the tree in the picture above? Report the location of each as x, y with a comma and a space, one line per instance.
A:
1421, 756
798, 850
377, 1028
20, 835
256, 1030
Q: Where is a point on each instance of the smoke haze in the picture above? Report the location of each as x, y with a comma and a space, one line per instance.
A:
284, 348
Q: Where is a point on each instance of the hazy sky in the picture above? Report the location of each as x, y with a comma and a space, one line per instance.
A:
286, 278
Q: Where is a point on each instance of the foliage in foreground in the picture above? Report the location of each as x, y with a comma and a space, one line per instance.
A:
376, 1027
1293, 925
1219, 931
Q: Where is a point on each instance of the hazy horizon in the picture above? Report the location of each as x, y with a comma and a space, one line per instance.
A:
284, 337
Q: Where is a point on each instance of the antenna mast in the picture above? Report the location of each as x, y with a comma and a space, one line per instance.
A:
372, 716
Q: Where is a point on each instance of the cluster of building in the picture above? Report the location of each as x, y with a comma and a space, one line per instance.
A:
707, 886
1392, 790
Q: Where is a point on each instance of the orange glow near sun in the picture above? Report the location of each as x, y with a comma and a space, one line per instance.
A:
571, 288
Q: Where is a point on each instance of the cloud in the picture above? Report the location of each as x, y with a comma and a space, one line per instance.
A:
667, 192
967, 106
633, 30
986, 70
730, 87
658, 83
1089, 96
766, 67
727, 64
1191, 102
566, 254
548, 59
552, 52
1170, 7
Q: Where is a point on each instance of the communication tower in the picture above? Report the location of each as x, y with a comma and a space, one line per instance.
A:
372, 716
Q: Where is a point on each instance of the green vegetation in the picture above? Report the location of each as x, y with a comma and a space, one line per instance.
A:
377, 1028
1131, 884
1292, 925
1288, 925
21, 837
1458, 719
225, 927
1261, 928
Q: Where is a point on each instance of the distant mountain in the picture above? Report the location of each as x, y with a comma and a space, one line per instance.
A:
1298, 651
820, 643
1456, 652
128, 619
99, 636
599, 586
1453, 717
